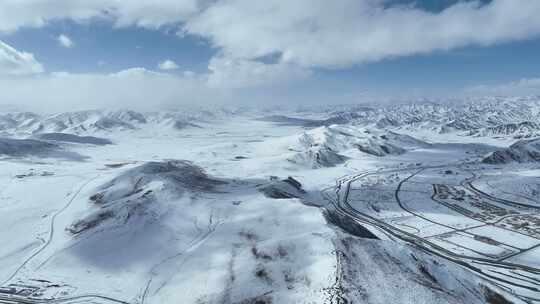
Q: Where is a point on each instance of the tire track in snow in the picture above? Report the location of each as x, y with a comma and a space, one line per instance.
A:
193, 245
51, 231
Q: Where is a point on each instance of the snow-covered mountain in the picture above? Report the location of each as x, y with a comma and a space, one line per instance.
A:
322, 147
523, 129
489, 116
522, 151
99, 121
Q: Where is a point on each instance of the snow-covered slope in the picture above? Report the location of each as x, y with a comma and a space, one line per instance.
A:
489, 116
38, 150
25, 147
134, 196
322, 147
283, 189
292, 121
335, 118
134, 226
248, 251
369, 265
98, 121
516, 130
71, 138
522, 151
486, 117
85, 121
161, 228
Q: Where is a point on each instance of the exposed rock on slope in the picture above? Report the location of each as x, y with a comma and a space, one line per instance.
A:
287, 188
322, 147
21, 148
522, 151
490, 116
335, 119
180, 124
368, 265
71, 138
25, 147
468, 117
374, 148
318, 157
136, 195
517, 130
292, 121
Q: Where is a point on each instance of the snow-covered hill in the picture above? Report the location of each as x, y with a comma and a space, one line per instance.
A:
25, 147
99, 121
322, 147
248, 246
522, 151
137, 193
71, 138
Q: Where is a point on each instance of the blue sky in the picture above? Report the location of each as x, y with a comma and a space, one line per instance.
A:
451, 69
101, 48
307, 48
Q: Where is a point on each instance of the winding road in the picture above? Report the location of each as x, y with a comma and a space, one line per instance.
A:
520, 279
526, 284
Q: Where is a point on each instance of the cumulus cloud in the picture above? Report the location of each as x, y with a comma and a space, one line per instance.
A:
320, 33
168, 65
65, 41
14, 62
258, 43
308, 33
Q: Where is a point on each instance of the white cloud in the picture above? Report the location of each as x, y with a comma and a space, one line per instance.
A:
15, 14
153, 14
189, 74
132, 88
321, 33
522, 87
14, 62
235, 73
167, 65
260, 44
308, 33
65, 41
